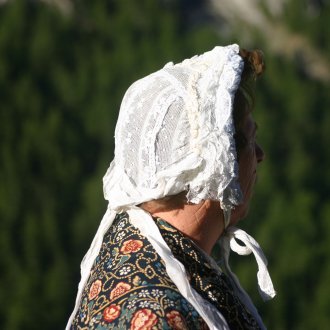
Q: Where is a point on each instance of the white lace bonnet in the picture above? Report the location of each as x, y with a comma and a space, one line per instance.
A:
175, 132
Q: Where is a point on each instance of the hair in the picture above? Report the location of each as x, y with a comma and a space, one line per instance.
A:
244, 101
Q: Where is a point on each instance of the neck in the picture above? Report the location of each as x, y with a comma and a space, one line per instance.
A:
203, 222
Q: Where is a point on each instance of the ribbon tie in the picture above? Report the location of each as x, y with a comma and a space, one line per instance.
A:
229, 242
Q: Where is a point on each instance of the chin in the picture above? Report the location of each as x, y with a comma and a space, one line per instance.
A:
238, 214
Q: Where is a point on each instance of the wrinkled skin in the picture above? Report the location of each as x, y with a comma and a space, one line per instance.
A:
250, 156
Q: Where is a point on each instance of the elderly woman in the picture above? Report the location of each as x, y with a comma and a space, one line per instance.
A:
182, 177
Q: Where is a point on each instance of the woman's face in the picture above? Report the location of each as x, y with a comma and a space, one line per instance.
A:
250, 155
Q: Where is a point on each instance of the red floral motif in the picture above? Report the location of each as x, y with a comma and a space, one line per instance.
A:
111, 313
95, 289
119, 289
143, 319
176, 320
132, 245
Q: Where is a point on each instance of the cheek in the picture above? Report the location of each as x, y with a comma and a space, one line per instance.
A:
247, 168
247, 174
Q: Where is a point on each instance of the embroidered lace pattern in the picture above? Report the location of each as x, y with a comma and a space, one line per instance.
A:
175, 133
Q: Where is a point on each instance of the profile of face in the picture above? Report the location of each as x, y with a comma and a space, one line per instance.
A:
250, 155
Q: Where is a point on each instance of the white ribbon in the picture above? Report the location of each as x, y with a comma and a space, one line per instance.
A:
89, 258
176, 271
265, 285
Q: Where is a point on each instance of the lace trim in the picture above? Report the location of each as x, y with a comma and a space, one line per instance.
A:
207, 84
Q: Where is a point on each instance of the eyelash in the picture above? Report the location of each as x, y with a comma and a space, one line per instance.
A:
241, 141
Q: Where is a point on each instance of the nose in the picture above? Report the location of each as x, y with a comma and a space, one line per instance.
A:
260, 154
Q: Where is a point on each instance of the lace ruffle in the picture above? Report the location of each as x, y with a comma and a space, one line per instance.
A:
149, 163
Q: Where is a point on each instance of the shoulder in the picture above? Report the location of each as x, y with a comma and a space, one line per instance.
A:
129, 287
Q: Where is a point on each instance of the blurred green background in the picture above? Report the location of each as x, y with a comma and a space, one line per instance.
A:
64, 67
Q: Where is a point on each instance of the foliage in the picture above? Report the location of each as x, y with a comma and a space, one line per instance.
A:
62, 79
